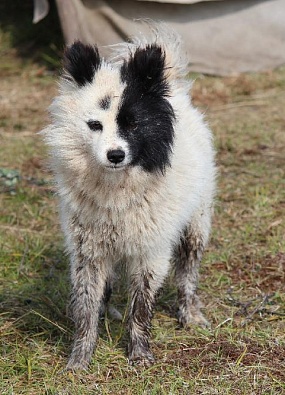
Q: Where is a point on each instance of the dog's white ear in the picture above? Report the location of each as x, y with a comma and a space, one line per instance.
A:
146, 68
80, 62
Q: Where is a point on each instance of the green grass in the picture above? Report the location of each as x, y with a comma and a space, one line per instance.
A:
243, 271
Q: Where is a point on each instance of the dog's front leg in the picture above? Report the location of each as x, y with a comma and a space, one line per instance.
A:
144, 284
88, 280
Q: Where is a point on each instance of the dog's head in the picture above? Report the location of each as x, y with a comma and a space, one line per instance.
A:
119, 115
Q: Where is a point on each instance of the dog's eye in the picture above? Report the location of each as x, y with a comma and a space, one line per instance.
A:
95, 126
132, 125
130, 122
127, 121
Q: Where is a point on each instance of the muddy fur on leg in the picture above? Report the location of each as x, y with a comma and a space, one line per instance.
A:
89, 288
144, 286
139, 325
188, 255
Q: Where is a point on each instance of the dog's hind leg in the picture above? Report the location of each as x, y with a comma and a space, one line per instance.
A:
106, 306
187, 257
145, 282
106, 297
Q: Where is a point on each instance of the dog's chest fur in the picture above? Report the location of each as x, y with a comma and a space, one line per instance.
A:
129, 217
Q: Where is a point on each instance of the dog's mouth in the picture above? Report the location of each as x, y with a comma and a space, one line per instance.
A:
116, 167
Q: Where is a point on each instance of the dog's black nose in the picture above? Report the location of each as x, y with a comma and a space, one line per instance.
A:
116, 156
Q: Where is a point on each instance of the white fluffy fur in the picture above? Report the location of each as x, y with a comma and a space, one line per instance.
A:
130, 214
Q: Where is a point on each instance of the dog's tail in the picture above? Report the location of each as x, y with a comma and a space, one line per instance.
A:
162, 35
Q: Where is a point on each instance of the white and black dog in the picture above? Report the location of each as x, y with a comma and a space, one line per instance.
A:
135, 174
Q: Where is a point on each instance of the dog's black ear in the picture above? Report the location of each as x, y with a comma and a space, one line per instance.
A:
146, 70
81, 62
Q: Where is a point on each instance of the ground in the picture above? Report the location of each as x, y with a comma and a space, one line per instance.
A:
242, 275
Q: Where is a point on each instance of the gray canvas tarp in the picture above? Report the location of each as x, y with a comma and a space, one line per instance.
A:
221, 37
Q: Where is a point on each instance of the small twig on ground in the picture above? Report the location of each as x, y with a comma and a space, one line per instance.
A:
244, 307
256, 310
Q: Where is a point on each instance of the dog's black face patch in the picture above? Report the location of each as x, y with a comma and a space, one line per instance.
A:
81, 62
145, 118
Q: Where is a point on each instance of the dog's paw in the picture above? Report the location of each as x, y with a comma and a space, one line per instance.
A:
77, 365
192, 317
139, 358
115, 314
142, 360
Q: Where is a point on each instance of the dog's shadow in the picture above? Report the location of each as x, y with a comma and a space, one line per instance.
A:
33, 305
36, 306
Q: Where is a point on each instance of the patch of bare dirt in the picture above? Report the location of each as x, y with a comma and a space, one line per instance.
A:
268, 273
220, 353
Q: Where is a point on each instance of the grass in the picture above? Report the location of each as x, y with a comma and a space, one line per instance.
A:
242, 276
